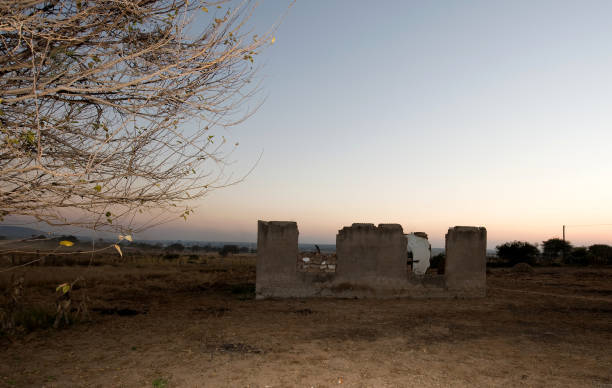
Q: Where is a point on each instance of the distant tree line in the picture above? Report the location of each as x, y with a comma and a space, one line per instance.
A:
554, 251
180, 248
223, 251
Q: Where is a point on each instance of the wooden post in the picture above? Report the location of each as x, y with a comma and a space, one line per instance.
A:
563, 233
563, 250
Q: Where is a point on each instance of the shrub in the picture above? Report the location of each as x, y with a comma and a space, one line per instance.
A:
142, 245
160, 383
518, 252
555, 249
209, 248
70, 238
579, 256
177, 247
601, 254
34, 318
227, 249
26, 319
437, 262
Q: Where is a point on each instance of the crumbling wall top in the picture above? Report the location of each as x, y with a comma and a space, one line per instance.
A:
363, 227
467, 228
277, 228
391, 227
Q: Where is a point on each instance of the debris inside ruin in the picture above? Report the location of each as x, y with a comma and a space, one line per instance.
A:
316, 262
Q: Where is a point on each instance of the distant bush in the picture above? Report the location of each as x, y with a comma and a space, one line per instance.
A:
598, 254
556, 249
227, 249
437, 262
205, 248
176, 247
518, 252
70, 238
601, 254
579, 256
142, 245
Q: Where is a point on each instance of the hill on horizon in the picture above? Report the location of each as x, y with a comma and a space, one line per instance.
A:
15, 232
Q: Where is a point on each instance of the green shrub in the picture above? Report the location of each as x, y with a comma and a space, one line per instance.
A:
160, 383
518, 252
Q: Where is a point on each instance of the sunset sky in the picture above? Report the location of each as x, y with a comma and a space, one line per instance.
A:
427, 114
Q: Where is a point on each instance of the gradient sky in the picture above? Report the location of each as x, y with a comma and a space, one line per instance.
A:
426, 114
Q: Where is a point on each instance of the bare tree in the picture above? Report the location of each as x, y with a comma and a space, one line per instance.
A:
107, 108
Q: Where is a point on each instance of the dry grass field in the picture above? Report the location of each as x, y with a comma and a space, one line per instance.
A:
159, 324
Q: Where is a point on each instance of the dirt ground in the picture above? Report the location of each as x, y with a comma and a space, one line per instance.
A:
197, 325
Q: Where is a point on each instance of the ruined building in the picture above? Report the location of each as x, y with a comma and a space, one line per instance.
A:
370, 261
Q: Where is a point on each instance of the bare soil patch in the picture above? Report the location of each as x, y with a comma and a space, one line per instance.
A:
197, 325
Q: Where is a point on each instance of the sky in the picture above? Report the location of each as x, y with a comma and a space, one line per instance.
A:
427, 114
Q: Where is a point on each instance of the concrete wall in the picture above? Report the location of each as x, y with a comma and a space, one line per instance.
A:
277, 252
466, 260
371, 262
368, 255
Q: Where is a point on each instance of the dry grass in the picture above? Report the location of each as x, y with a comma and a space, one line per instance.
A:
197, 324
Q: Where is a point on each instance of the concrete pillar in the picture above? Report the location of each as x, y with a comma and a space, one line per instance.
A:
277, 253
370, 255
466, 260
